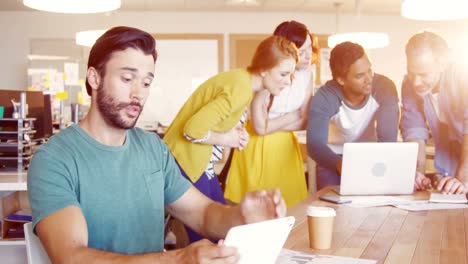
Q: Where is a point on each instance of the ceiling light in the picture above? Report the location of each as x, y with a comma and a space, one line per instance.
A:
73, 6
368, 40
32, 57
87, 38
434, 9
243, 2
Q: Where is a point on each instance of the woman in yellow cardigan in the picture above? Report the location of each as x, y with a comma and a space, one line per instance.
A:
211, 117
273, 157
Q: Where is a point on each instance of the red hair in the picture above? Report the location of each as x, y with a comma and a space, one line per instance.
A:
315, 49
270, 52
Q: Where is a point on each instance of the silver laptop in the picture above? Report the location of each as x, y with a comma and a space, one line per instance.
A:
378, 168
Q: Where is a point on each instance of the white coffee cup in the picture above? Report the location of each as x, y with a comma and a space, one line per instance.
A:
320, 222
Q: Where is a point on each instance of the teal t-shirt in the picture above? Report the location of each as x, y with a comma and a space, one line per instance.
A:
121, 190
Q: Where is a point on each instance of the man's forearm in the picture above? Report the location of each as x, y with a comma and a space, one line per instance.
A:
421, 162
387, 123
462, 170
317, 138
90, 255
220, 218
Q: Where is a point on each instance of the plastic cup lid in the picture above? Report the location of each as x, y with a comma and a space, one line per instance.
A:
320, 211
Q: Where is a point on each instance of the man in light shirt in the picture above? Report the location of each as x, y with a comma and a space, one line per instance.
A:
434, 102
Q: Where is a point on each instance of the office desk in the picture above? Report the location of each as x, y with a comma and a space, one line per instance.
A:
388, 234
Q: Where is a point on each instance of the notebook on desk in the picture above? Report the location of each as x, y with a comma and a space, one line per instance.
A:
437, 197
378, 168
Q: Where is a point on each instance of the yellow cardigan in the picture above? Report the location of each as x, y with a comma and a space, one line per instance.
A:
217, 105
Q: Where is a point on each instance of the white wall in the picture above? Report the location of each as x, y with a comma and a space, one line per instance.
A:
18, 28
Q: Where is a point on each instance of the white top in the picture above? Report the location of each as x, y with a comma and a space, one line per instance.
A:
435, 103
291, 99
351, 124
320, 211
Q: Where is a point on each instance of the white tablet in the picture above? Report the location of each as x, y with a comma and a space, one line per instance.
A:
260, 242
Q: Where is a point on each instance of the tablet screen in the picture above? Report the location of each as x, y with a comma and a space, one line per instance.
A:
260, 242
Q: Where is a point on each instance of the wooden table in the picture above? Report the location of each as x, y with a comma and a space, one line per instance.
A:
388, 234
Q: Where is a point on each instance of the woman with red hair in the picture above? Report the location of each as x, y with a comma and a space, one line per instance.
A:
211, 118
273, 157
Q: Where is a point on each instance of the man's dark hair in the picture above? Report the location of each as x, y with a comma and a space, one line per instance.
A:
343, 56
118, 39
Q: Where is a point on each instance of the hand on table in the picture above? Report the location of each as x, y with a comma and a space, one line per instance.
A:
451, 185
421, 182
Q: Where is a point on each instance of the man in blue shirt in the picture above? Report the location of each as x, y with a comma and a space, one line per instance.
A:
98, 189
434, 101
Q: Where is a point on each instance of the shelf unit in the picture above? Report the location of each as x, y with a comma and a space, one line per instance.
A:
12, 181
12, 250
16, 149
12, 243
16, 141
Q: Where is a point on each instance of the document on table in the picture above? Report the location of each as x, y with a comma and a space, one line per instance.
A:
374, 200
295, 257
431, 206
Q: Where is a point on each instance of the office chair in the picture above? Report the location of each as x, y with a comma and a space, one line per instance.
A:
34, 249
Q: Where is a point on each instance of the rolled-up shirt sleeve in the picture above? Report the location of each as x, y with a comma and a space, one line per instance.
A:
413, 124
454, 98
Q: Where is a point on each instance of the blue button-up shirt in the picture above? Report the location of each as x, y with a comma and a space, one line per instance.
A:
419, 117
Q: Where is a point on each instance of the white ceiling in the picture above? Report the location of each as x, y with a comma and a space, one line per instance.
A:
367, 7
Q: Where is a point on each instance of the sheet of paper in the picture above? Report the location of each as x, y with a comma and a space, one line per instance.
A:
295, 257
430, 206
375, 200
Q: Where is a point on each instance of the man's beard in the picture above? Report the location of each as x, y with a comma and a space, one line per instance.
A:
110, 110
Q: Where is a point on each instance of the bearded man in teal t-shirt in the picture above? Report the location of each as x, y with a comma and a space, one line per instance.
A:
98, 189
